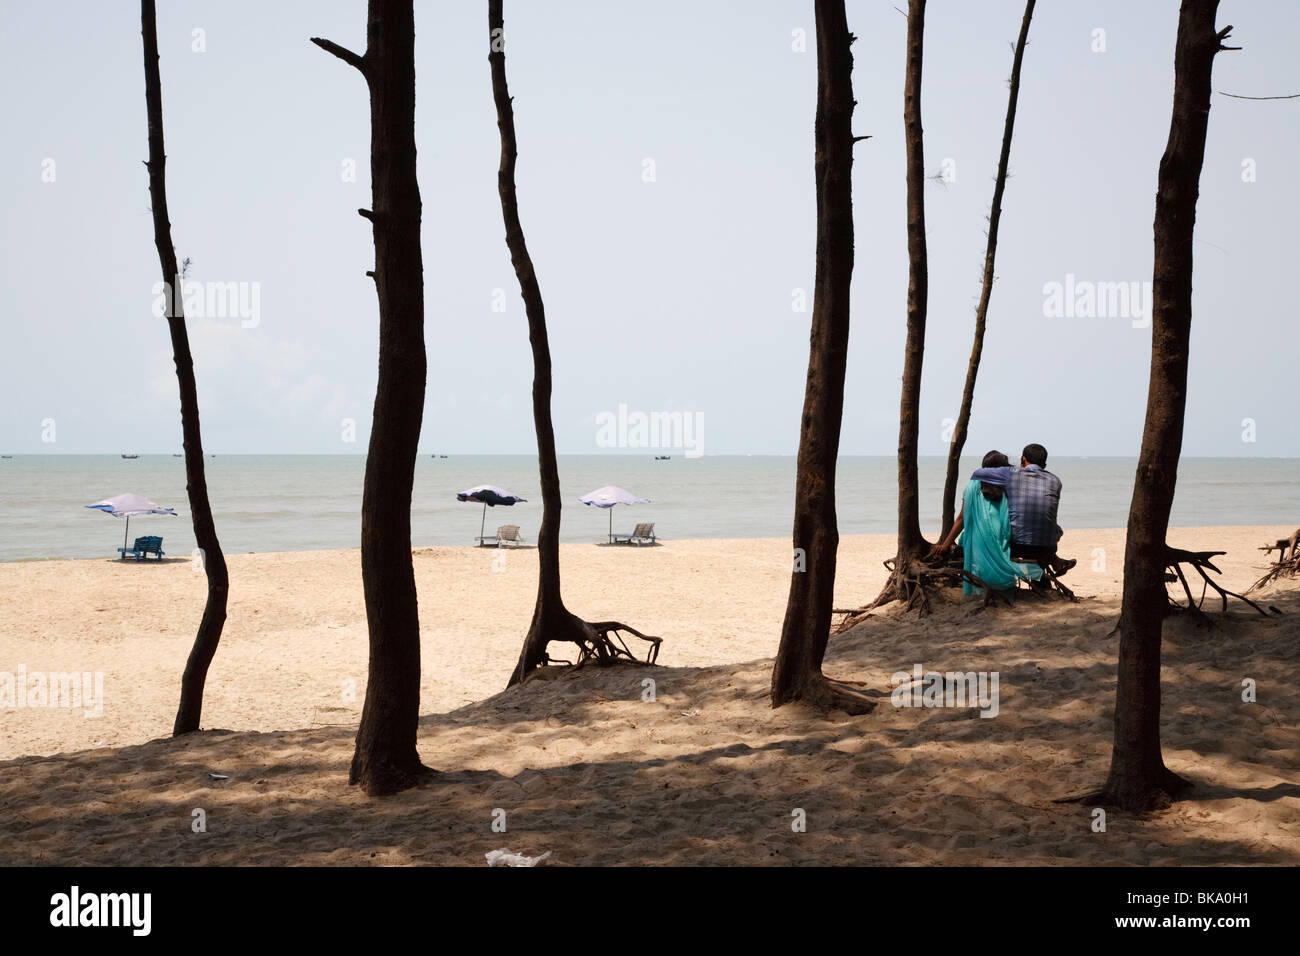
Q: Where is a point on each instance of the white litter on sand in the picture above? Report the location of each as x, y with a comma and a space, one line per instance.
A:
507, 858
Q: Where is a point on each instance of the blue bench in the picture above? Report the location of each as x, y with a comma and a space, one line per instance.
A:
143, 547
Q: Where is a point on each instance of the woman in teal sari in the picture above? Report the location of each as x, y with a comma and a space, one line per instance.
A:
985, 528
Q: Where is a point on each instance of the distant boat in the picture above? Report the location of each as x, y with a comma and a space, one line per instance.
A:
6, 456
130, 456
442, 456
174, 455
663, 457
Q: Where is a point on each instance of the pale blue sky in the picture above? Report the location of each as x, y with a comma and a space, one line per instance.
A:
666, 296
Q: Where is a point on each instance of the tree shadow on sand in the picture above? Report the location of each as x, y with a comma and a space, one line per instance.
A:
707, 772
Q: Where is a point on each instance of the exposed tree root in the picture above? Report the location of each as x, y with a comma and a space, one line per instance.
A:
1282, 545
913, 583
380, 780
826, 693
1136, 795
598, 642
910, 583
1054, 584
608, 645
1175, 558
1288, 561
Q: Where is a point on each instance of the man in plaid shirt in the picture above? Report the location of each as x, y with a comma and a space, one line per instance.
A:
1033, 495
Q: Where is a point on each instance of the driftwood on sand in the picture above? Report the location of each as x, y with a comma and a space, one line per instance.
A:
1287, 564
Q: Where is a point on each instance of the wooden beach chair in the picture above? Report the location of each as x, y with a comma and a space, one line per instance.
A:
506, 534
642, 534
143, 547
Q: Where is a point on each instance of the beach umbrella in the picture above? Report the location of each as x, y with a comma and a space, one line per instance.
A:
126, 505
608, 497
491, 496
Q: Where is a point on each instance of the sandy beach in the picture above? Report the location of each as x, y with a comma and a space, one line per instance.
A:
706, 773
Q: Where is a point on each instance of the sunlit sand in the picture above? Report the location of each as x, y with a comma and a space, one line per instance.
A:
586, 766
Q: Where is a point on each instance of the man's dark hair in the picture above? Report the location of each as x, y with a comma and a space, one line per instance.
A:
1035, 455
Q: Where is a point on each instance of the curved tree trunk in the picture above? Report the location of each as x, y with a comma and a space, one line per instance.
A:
190, 710
386, 759
1138, 779
982, 311
797, 673
552, 621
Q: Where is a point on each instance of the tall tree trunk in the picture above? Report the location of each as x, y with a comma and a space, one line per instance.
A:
386, 759
552, 621
982, 311
550, 617
797, 673
1138, 779
903, 582
190, 710
911, 543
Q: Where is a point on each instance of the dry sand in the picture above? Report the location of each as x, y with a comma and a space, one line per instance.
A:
584, 767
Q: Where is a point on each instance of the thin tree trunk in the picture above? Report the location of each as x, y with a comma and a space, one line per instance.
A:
1138, 779
190, 710
551, 620
911, 543
797, 673
386, 759
981, 312
904, 582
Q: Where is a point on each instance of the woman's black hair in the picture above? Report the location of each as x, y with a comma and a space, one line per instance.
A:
994, 459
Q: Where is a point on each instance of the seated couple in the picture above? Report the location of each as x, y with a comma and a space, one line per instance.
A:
1008, 522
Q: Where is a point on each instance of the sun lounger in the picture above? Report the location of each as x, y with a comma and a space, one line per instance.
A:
643, 534
142, 548
506, 534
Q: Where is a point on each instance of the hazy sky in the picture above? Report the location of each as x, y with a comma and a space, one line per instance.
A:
675, 294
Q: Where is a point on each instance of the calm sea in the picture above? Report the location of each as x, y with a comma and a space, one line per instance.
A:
295, 503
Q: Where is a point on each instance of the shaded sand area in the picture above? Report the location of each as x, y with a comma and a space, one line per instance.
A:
582, 765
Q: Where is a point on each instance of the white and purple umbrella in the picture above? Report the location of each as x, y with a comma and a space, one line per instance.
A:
127, 505
491, 496
608, 497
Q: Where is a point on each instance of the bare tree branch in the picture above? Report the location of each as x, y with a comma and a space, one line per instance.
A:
344, 54
1237, 96
962, 425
